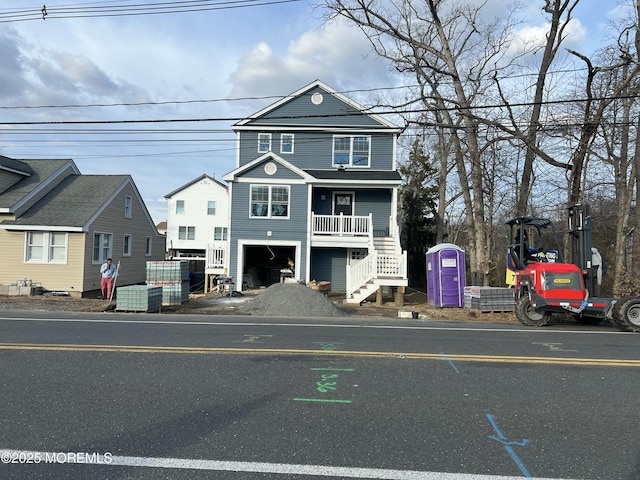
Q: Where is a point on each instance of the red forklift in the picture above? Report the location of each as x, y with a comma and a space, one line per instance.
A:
544, 284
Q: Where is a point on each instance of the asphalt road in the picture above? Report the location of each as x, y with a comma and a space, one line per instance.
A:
193, 397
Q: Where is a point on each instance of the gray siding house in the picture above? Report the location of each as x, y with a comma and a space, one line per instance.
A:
316, 185
58, 226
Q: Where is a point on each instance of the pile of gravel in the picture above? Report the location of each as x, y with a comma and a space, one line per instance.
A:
291, 300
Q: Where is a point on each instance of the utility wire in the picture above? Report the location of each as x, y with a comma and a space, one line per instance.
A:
46, 13
370, 111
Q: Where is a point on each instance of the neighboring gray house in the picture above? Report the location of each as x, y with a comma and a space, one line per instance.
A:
316, 184
58, 226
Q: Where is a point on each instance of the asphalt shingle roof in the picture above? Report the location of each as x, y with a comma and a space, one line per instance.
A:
73, 202
40, 171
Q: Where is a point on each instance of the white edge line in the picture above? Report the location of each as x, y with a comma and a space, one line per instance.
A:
253, 467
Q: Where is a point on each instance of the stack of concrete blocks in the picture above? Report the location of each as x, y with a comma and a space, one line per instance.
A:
20, 290
173, 277
489, 299
139, 298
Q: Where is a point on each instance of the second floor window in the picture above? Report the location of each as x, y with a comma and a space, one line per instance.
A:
286, 143
220, 234
211, 207
179, 207
270, 201
264, 142
351, 151
186, 233
128, 202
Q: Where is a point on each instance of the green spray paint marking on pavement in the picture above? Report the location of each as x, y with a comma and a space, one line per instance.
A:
333, 369
329, 345
321, 400
327, 384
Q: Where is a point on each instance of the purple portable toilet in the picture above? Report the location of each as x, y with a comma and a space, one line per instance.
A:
445, 275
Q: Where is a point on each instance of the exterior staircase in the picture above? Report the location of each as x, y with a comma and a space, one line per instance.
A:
385, 265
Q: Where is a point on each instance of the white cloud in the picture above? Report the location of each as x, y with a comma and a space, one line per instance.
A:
535, 36
337, 54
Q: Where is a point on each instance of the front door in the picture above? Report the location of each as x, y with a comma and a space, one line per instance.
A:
343, 203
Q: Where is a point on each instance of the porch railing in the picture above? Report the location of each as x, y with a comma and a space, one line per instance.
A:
216, 257
376, 265
341, 225
361, 273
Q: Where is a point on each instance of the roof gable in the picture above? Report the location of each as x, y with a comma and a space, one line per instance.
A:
317, 105
254, 165
193, 182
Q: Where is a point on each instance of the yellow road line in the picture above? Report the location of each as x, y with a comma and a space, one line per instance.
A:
276, 351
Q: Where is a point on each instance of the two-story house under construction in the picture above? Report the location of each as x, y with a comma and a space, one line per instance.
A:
316, 185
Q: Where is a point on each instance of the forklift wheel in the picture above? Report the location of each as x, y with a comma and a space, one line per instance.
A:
626, 314
530, 316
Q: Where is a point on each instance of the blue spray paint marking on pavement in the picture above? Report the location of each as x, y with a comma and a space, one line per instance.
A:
444, 357
508, 446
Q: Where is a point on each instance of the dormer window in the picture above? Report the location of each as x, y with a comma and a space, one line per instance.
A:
264, 142
351, 151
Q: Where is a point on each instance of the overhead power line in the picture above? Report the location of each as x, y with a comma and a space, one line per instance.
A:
370, 111
128, 9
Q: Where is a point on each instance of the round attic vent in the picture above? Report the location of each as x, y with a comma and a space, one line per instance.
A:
317, 98
270, 168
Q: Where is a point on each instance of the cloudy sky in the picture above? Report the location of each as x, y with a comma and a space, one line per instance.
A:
221, 64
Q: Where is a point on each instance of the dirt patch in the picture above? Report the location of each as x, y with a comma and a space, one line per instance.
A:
274, 301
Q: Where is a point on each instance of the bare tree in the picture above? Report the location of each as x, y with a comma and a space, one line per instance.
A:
454, 56
560, 14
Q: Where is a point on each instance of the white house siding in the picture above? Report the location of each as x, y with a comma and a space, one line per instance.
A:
196, 197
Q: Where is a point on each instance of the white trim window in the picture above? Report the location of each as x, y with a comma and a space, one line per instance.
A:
148, 249
211, 207
351, 151
264, 142
220, 234
186, 233
102, 246
126, 245
45, 247
179, 207
286, 143
128, 206
269, 201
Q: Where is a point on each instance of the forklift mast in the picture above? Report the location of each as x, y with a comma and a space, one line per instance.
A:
580, 242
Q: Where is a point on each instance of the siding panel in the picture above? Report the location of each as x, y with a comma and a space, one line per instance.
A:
330, 264
314, 150
302, 111
112, 220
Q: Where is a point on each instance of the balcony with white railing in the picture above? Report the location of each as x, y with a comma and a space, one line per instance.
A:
335, 230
